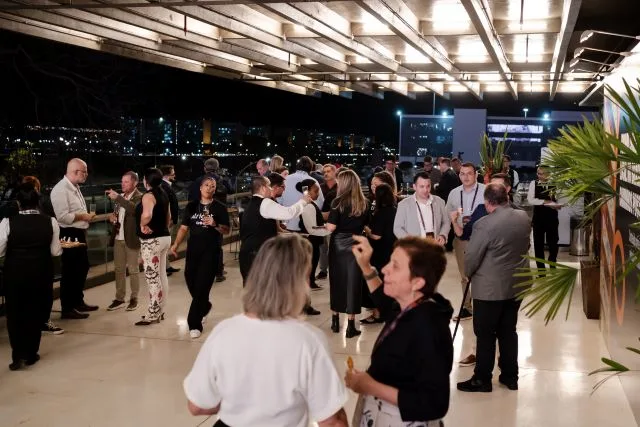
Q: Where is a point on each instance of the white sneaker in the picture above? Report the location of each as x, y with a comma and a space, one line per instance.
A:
194, 333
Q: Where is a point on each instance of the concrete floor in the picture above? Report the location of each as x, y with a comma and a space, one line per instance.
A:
104, 371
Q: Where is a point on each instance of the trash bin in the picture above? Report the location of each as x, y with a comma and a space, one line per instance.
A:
580, 236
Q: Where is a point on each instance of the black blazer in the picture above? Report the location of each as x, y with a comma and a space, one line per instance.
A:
173, 201
416, 358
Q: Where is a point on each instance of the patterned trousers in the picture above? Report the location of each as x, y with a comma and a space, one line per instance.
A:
154, 259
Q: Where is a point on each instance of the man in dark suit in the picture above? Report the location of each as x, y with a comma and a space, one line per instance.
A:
390, 166
494, 253
168, 177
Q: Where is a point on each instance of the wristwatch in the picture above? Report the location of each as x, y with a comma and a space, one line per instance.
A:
371, 275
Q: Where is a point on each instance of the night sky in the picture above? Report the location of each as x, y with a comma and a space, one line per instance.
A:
55, 84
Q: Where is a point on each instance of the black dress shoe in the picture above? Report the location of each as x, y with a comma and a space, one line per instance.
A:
17, 365
475, 385
86, 307
172, 270
73, 314
310, 311
32, 360
322, 275
510, 384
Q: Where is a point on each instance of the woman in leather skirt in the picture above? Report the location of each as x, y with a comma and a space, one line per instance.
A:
349, 215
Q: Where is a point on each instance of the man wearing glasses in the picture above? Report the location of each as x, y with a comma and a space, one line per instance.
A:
73, 217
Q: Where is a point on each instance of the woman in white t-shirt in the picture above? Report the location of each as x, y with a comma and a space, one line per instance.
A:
267, 367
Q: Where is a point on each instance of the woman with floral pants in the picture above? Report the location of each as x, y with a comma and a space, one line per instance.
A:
153, 218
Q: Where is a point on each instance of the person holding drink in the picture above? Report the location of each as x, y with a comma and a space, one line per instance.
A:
73, 218
407, 382
125, 241
464, 199
206, 220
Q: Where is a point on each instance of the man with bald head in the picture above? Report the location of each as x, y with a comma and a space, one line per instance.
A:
73, 217
262, 166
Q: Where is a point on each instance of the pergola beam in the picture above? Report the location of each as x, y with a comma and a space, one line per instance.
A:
238, 20
482, 22
404, 23
570, 9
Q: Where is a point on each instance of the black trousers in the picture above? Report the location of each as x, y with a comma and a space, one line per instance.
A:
201, 267
220, 270
27, 302
496, 320
548, 229
245, 259
315, 259
75, 267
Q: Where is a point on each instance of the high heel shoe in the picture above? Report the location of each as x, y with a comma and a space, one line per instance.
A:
146, 322
335, 323
351, 329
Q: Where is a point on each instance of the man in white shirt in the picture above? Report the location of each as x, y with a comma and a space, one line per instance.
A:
422, 214
465, 199
126, 244
260, 221
546, 205
513, 174
73, 217
304, 165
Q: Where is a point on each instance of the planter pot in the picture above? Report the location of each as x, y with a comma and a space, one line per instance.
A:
590, 280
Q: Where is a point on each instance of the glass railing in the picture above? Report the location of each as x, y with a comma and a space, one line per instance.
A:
101, 254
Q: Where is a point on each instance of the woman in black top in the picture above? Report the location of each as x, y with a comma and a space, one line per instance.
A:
153, 218
206, 220
312, 224
382, 239
348, 216
408, 379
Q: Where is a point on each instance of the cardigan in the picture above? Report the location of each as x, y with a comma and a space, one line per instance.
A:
416, 358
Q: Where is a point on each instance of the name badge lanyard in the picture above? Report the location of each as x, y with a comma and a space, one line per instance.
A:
433, 219
473, 202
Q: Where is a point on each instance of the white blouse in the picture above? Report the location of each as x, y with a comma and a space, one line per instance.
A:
266, 373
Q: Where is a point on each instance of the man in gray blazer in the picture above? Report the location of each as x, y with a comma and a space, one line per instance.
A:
422, 214
495, 252
126, 244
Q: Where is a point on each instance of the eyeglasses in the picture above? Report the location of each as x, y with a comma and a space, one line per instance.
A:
81, 171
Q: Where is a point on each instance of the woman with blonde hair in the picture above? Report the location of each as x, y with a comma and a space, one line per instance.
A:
243, 377
349, 215
275, 163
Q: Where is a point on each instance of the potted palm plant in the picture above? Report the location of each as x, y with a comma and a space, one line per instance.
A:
582, 162
490, 157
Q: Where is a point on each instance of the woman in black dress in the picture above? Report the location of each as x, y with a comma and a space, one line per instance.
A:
26, 240
382, 239
153, 218
349, 215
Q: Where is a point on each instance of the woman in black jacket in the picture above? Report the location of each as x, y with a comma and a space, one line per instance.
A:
408, 379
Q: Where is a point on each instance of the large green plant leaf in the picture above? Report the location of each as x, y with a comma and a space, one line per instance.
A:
546, 288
